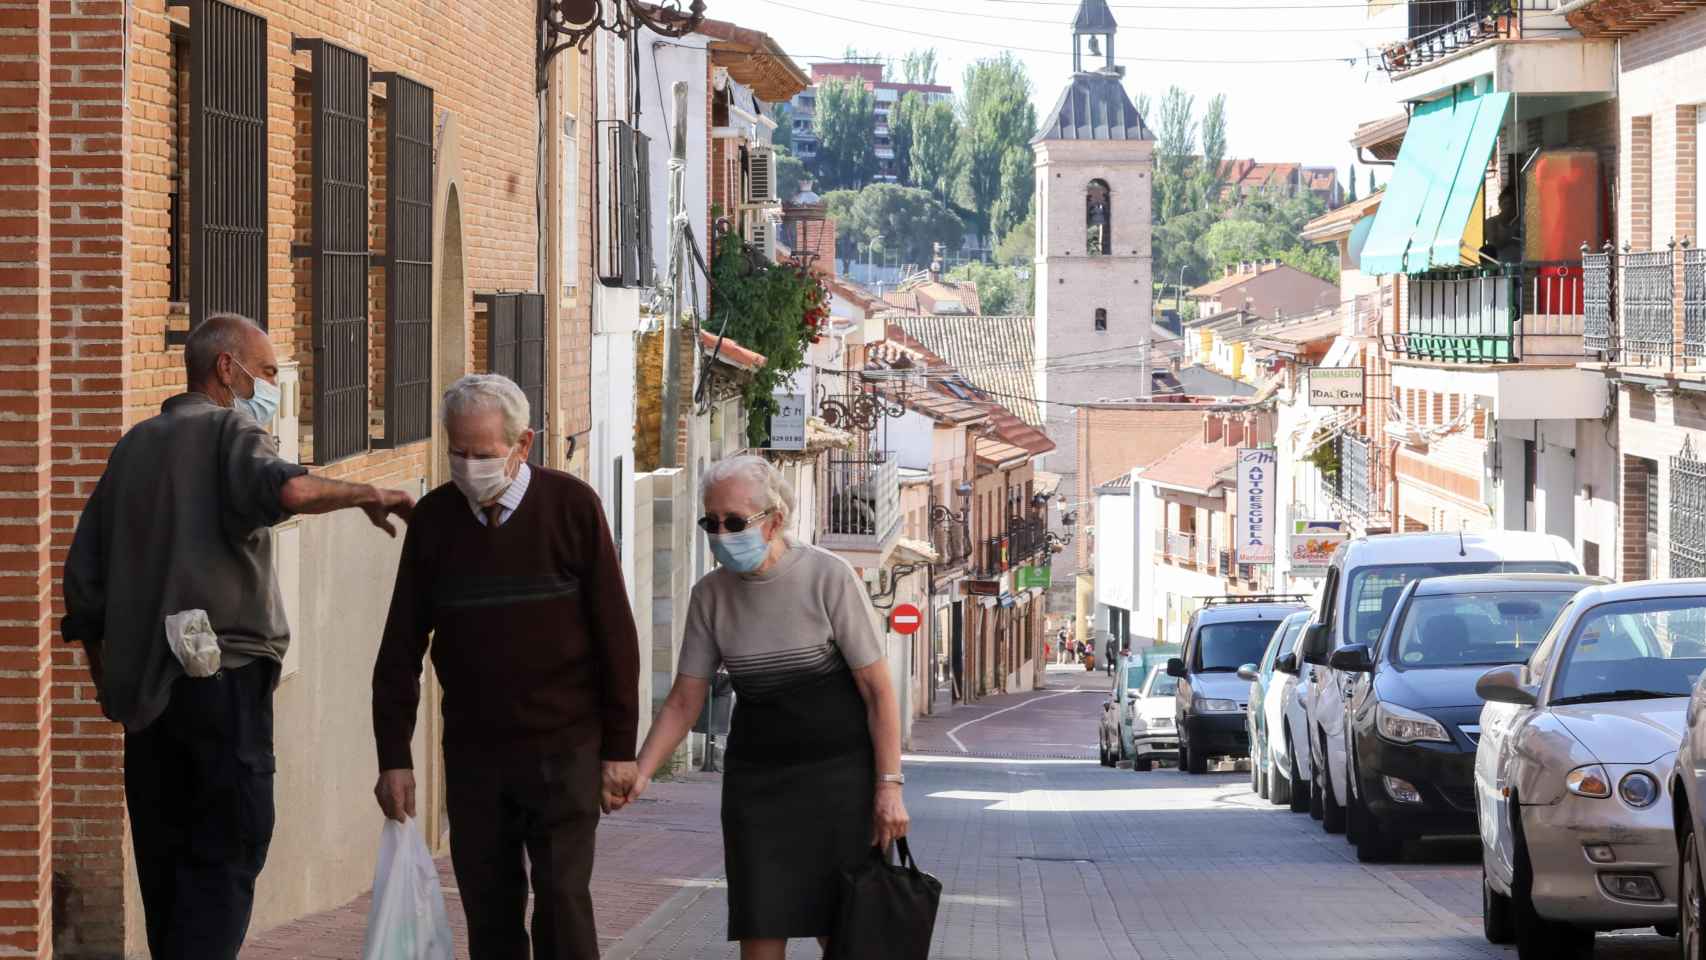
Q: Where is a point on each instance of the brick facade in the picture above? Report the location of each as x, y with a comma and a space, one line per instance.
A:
1636, 492
1640, 232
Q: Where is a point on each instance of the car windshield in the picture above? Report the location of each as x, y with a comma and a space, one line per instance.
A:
1288, 642
1634, 649
1463, 629
1373, 591
1162, 686
1134, 675
1224, 647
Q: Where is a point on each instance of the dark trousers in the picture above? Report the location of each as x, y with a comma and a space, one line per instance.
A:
507, 816
199, 785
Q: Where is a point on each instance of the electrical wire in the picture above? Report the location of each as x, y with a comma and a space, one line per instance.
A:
1146, 28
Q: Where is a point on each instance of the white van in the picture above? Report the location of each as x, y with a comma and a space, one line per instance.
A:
1363, 583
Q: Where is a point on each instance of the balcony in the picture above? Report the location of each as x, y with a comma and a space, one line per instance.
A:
859, 507
1633, 306
1512, 313
1178, 549
1355, 488
1524, 46
1442, 29
1024, 542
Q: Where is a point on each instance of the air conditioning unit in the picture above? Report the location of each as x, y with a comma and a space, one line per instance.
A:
761, 179
761, 232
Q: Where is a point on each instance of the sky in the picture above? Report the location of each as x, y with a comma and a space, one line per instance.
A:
1277, 111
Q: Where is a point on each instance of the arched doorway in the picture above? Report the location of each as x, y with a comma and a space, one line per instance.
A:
451, 351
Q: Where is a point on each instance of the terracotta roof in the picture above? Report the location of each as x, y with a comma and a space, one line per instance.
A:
1010, 429
1193, 465
857, 294
1120, 485
732, 353
1288, 335
753, 59
938, 297
996, 355
992, 451
1382, 137
1339, 221
1601, 18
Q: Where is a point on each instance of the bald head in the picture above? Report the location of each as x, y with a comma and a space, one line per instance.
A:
219, 352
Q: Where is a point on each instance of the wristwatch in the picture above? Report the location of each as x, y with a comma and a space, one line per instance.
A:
897, 778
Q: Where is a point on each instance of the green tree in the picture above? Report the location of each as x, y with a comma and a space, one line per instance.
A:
1000, 290
1175, 151
910, 221
783, 138
996, 115
901, 122
790, 174
1351, 181
1019, 247
1371, 187
919, 66
1018, 182
846, 114
934, 163
1207, 184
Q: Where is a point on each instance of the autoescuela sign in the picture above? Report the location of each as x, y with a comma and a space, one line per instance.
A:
1335, 386
1256, 477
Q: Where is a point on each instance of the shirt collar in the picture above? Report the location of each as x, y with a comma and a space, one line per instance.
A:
511, 499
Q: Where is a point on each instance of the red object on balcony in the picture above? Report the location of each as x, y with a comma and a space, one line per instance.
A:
1558, 290
1563, 205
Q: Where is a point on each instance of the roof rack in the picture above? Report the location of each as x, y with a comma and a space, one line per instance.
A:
1254, 598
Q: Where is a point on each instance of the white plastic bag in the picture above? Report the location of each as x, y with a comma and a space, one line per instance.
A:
408, 921
190, 635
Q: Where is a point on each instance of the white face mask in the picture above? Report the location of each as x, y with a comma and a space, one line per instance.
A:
481, 480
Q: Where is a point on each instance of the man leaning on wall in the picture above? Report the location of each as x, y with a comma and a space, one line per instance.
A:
170, 587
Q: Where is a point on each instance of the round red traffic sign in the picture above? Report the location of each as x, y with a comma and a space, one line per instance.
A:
905, 619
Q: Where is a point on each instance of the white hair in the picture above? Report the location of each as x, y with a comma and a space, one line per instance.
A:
478, 392
768, 489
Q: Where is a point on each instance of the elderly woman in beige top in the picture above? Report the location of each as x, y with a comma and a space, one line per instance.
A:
813, 776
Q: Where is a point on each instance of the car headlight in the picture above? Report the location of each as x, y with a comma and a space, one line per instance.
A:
1403, 725
1211, 705
1138, 724
1589, 781
1638, 789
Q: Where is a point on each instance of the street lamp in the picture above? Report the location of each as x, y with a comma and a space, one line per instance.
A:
570, 23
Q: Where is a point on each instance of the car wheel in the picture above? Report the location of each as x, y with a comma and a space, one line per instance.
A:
1256, 785
1196, 764
1375, 843
1102, 752
1497, 922
1316, 809
1665, 930
1143, 766
1299, 790
1332, 812
1279, 786
1538, 938
1688, 902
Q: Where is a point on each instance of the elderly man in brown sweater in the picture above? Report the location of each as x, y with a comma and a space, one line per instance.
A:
511, 572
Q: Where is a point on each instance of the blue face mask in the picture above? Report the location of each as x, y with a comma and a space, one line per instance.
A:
741, 552
263, 404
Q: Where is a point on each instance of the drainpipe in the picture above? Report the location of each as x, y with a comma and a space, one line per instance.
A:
671, 326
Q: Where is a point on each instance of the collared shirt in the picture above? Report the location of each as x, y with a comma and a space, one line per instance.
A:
510, 500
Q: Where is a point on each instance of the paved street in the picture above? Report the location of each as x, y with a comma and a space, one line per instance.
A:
1045, 855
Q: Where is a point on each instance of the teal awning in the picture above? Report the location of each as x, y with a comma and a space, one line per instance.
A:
1439, 175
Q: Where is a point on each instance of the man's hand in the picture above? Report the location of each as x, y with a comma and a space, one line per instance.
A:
396, 794
890, 820
618, 785
385, 503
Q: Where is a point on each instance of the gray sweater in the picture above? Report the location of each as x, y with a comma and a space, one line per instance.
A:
180, 520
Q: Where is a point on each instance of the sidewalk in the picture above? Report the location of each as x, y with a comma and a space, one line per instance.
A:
669, 841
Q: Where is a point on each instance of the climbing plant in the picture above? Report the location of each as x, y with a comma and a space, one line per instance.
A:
776, 309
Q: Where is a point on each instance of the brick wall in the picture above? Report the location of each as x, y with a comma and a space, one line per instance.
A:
1641, 182
26, 802
1663, 77
1687, 203
1634, 507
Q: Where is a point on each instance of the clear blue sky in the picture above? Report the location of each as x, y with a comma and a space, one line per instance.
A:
1276, 111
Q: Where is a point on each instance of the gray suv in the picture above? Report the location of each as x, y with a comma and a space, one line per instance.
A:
1210, 703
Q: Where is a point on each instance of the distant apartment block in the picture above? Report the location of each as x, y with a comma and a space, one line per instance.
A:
887, 93
1242, 178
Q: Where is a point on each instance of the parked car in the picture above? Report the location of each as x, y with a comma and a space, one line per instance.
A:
1364, 579
1582, 795
1415, 717
1210, 701
1272, 769
1137, 722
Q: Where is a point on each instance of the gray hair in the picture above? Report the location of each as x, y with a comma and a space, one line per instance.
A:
220, 333
770, 490
479, 392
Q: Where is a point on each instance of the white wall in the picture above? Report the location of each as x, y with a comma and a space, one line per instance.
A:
661, 65
1115, 551
911, 438
1597, 494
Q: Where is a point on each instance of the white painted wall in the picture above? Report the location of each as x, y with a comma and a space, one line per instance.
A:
1597, 495
1115, 550
662, 63
912, 438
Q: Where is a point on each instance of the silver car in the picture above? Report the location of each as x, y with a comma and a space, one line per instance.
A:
1574, 769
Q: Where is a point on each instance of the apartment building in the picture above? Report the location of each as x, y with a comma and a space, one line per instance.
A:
887, 95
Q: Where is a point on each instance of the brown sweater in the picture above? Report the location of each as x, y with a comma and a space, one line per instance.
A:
531, 631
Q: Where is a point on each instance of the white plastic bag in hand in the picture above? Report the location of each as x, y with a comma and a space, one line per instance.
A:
193, 642
408, 921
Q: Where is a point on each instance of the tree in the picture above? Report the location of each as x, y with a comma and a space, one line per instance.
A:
1175, 149
999, 289
1019, 247
846, 115
1143, 104
1018, 182
910, 221
996, 116
1213, 151
934, 162
790, 173
1351, 194
920, 66
1371, 187
901, 121
783, 138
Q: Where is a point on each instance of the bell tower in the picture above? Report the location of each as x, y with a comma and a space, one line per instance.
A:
1093, 37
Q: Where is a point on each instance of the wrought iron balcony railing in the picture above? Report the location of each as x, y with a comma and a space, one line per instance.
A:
1445, 28
1355, 487
1178, 549
859, 503
1511, 313
1632, 305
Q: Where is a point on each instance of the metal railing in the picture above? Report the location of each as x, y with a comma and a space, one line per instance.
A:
1693, 303
1512, 313
1355, 488
1647, 307
1599, 333
1476, 21
1633, 305
1177, 548
1026, 538
859, 503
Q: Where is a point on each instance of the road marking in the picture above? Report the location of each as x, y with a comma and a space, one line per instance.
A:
1016, 706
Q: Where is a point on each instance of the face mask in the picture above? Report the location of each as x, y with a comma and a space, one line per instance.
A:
480, 480
741, 552
263, 403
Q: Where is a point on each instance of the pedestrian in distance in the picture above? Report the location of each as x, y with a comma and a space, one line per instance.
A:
1111, 650
510, 578
170, 587
812, 773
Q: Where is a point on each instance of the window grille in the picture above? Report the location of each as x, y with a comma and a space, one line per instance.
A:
1693, 302
1597, 280
228, 162
1687, 513
626, 257
1649, 290
515, 348
1355, 466
339, 248
408, 259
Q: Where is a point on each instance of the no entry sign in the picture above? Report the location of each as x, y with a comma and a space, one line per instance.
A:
905, 619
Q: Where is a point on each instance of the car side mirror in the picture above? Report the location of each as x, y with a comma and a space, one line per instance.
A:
1504, 685
1248, 672
1175, 667
1352, 658
1314, 644
1286, 664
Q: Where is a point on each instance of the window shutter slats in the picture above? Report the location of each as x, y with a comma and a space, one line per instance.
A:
530, 366
228, 162
408, 262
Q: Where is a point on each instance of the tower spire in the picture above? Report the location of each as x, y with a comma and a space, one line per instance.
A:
1093, 32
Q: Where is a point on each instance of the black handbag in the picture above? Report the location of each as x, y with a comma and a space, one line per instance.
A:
888, 910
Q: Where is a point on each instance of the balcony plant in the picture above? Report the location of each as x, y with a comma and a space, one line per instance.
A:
777, 309
1396, 55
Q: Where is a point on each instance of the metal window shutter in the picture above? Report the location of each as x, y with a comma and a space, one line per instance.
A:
408, 261
228, 162
530, 366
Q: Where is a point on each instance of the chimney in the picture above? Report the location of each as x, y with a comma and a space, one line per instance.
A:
1212, 428
1245, 266
1234, 431
1270, 264
1231, 269
1176, 363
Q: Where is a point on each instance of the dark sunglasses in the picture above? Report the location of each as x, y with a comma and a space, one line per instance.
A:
732, 524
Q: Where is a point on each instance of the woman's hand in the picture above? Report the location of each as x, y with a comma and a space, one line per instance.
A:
889, 822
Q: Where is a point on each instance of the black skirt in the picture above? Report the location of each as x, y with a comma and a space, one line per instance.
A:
798, 793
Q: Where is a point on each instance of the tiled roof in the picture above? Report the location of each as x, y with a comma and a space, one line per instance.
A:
992, 451
1094, 106
940, 297
1202, 382
1118, 485
1382, 137
1339, 220
1193, 465
1094, 17
994, 354
1294, 333
731, 353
